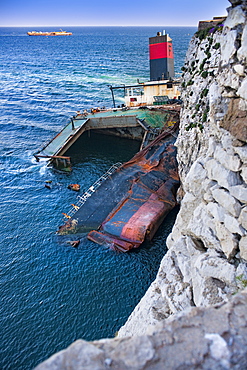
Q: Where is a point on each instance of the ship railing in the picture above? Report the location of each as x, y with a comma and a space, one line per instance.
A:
83, 198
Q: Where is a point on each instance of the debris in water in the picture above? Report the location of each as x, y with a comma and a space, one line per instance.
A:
65, 214
75, 187
74, 243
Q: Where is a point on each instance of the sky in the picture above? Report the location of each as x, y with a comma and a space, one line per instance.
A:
109, 12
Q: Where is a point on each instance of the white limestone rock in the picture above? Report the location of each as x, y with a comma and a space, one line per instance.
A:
242, 152
216, 211
174, 277
243, 218
188, 204
228, 48
202, 227
243, 173
232, 224
230, 162
207, 197
226, 141
228, 241
242, 52
140, 351
241, 275
243, 247
194, 178
213, 278
211, 147
227, 201
235, 17
224, 177
212, 264
231, 80
239, 69
206, 188
239, 192
219, 349
242, 91
79, 355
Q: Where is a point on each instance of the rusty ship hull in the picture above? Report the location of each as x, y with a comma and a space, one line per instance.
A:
132, 203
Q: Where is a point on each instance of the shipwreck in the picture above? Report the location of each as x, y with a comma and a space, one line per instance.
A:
129, 202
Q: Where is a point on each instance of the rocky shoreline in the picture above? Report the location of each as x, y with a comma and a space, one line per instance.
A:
206, 264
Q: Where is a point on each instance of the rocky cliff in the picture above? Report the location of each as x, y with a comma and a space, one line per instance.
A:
177, 324
206, 261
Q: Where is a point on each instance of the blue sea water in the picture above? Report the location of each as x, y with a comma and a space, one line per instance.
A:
52, 294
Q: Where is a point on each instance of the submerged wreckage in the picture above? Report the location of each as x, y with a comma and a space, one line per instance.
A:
129, 202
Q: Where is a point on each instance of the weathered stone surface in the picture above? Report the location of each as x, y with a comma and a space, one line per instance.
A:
243, 218
231, 162
194, 178
235, 121
79, 355
242, 52
228, 48
232, 224
239, 68
243, 247
239, 192
243, 173
242, 91
224, 177
235, 17
242, 152
199, 338
227, 201
211, 147
213, 278
216, 211
189, 203
228, 241
176, 268
201, 226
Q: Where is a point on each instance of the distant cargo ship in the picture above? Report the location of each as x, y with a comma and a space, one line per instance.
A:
58, 33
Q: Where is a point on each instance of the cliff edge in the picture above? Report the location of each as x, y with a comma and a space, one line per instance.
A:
206, 261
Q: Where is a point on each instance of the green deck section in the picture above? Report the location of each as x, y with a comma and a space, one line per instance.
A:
103, 119
55, 145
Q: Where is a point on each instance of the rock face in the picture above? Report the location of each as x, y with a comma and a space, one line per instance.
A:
206, 261
199, 338
176, 324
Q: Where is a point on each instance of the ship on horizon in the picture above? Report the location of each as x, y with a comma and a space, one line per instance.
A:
54, 33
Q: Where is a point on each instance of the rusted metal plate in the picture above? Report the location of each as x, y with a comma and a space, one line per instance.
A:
130, 206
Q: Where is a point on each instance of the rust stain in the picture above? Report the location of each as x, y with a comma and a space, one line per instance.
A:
152, 184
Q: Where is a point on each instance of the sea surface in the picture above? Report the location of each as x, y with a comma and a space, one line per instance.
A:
50, 293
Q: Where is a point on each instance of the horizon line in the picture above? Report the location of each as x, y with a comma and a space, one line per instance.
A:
93, 25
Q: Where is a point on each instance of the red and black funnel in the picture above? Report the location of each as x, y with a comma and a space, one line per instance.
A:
161, 57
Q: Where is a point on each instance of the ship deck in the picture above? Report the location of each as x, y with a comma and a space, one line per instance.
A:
105, 119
